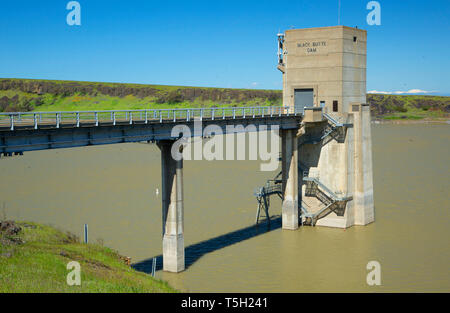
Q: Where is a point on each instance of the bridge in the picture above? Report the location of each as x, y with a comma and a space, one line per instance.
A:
27, 131
31, 131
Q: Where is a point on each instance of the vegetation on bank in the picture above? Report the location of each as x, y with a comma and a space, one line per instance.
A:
33, 258
47, 95
412, 107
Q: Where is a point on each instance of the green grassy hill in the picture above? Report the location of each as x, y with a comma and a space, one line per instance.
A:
409, 106
47, 95
33, 258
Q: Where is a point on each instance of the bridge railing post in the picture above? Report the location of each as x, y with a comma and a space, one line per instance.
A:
146, 117
57, 120
96, 118
11, 118
131, 118
35, 121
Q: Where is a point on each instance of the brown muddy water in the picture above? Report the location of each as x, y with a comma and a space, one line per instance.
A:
113, 189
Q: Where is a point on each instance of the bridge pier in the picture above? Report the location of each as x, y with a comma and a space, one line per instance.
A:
289, 178
172, 209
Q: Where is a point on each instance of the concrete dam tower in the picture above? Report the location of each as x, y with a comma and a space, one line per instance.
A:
324, 78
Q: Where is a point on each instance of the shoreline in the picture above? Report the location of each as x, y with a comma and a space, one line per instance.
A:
443, 121
43, 253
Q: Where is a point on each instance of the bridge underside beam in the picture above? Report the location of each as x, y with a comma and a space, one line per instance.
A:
172, 209
290, 179
23, 139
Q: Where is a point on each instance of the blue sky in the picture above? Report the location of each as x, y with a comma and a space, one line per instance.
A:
215, 43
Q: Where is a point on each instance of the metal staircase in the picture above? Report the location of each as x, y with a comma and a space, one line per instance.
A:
333, 130
332, 120
331, 201
272, 187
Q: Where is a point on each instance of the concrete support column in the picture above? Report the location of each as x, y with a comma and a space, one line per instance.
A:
290, 179
172, 209
363, 188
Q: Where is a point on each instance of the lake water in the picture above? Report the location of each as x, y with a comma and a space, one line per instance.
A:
113, 189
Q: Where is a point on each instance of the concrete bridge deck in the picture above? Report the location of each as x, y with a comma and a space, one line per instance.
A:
27, 131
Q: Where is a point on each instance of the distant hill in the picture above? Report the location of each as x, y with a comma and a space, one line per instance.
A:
408, 106
48, 95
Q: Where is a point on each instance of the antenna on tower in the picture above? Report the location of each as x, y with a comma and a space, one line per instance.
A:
339, 13
280, 47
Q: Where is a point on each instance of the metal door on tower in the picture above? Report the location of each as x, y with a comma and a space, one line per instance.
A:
303, 98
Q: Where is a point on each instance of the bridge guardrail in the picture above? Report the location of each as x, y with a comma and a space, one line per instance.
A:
95, 118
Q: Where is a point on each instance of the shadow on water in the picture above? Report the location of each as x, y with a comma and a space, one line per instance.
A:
196, 251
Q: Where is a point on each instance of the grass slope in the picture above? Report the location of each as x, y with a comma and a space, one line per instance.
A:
49, 95
409, 106
37, 263
46, 95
